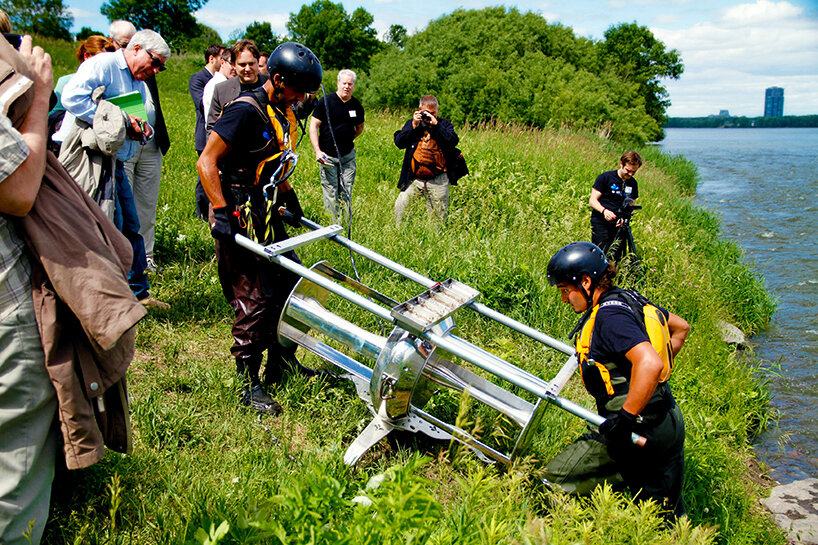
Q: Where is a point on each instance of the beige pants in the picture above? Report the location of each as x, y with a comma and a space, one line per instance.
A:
436, 192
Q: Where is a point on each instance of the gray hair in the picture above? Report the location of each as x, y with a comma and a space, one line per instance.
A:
151, 41
122, 31
428, 99
347, 72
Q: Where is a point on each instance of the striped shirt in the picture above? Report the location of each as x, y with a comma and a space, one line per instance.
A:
15, 270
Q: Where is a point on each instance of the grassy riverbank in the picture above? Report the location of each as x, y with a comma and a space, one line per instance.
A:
202, 464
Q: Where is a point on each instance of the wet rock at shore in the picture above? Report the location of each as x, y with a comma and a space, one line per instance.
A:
795, 509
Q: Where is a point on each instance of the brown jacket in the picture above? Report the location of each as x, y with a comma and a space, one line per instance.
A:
86, 314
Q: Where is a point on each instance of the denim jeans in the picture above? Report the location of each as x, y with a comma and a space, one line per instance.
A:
127, 221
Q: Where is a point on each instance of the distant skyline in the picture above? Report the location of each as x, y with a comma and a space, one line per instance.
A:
732, 50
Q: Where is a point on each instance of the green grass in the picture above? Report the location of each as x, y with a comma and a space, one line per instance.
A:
205, 470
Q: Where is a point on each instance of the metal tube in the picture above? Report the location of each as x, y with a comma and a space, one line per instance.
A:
350, 335
428, 283
318, 279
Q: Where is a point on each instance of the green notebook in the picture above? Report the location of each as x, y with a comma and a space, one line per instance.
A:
131, 103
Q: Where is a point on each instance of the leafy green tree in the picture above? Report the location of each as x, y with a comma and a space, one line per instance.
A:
338, 39
49, 18
173, 19
263, 35
635, 54
532, 72
88, 31
396, 35
204, 37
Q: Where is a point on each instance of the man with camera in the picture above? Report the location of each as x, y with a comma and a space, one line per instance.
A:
608, 195
430, 154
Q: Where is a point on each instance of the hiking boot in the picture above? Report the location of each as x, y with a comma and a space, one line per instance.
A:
256, 398
152, 303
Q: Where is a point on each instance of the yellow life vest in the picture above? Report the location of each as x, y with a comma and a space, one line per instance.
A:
654, 324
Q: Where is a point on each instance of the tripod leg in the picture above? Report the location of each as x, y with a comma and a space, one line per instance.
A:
636, 264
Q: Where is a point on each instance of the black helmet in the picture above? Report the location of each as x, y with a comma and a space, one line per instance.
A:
574, 260
297, 65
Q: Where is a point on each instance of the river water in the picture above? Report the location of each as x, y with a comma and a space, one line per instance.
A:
763, 183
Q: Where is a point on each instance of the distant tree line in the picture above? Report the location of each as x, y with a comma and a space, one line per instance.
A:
494, 64
741, 122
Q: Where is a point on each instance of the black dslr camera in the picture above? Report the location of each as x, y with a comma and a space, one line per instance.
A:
425, 116
627, 209
13, 39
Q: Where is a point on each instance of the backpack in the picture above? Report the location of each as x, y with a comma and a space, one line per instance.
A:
649, 316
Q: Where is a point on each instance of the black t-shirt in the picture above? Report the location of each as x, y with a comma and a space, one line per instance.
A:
241, 126
344, 117
616, 331
614, 191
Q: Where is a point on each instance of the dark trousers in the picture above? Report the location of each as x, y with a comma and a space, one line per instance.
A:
603, 234
654, 471
200, 197
127, 221
257, 289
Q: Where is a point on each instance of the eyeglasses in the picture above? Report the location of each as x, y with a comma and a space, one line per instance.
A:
156, 62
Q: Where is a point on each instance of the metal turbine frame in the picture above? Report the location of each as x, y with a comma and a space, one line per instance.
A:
412, 360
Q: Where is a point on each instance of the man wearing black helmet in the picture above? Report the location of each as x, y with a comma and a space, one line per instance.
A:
626, 376
243, 150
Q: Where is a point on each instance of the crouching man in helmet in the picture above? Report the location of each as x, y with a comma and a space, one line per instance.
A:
626, 376
243, 150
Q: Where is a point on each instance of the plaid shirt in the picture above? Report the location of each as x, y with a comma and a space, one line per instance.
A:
15, 270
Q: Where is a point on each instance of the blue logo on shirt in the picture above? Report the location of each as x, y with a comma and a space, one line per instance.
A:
265, 134
614, 187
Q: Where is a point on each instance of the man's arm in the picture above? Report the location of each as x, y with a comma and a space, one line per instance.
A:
679, 328
315, 127
215, 105
645, 372
593, 201
196, 87
76, 97
358, 130
406, 136
207, 165
443, 132
19, 190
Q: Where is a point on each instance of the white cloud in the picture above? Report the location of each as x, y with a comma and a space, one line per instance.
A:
79, 13
227, 21
749, 47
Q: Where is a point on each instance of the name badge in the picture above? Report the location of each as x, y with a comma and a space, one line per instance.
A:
353, 113
628, 190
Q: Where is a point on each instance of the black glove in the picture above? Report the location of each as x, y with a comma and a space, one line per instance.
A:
290, 200
223, 229
617, 429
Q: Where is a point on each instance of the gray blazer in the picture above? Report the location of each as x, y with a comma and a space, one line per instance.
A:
223, 93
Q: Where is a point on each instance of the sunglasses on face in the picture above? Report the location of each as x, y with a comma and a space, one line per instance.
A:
156, 62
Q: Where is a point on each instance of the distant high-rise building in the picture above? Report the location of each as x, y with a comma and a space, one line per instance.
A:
774, 102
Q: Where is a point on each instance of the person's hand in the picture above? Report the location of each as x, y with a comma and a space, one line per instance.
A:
223, 228
416, 119
617, 429
40, 63
430, 119
608, 215
139, 130
322, 158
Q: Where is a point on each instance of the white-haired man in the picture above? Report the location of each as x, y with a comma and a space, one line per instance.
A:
120, 72
338, 119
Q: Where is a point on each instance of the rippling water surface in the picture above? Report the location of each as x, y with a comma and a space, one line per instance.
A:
763, 183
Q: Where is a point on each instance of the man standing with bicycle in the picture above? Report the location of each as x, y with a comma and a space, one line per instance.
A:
607, 197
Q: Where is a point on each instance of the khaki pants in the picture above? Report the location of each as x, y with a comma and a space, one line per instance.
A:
28, 405
144, 171
436, 192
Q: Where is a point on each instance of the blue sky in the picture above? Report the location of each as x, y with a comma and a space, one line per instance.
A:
732, 49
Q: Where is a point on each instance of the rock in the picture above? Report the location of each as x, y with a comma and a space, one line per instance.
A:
732, 335
795, 509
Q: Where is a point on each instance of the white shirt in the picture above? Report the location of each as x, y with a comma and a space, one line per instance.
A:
207, 94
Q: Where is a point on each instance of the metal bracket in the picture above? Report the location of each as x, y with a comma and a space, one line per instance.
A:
303, 239
434, 305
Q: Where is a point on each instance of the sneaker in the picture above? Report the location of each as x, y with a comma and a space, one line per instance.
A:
257, 399
151, 266
152, 303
